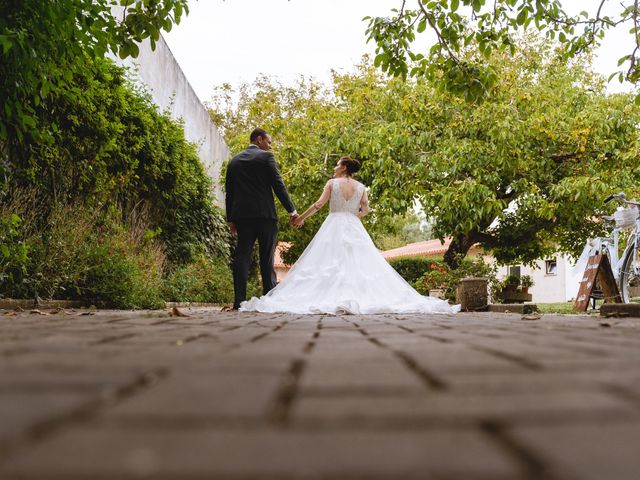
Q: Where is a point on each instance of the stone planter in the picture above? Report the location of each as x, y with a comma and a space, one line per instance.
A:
436, 292
507, 296
472, 294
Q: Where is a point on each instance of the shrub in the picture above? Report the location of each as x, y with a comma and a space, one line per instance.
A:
123, 272
412, 268
440, 276
18, 243
62, 252
526, 281
511, 282
14, 253
82, 253
206, 280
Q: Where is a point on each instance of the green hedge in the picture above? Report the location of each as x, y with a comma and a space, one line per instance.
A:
412, 268
109, 201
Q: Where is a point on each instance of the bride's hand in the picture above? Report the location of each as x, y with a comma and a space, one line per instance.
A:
298, 222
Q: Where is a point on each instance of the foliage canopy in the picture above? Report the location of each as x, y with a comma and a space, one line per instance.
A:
43, 44
490, 26
521, 173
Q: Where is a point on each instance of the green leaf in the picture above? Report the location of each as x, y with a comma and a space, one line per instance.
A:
6, 43
135, 50
422, 25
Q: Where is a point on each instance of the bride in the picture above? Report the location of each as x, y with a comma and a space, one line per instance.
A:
341, 270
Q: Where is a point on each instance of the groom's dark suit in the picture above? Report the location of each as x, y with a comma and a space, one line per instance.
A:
252, 177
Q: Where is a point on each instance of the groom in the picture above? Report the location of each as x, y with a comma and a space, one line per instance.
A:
252, 175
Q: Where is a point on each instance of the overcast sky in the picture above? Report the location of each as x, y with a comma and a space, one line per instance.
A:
234, 41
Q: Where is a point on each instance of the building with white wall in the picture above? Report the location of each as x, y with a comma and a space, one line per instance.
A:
555, 278
159, 72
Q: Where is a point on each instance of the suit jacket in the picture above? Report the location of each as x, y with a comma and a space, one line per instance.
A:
252, 177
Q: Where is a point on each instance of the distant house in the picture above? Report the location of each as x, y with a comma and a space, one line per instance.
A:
555, 278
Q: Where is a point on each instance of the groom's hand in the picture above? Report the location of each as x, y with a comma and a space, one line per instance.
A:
297, 222
233, 229
292, 219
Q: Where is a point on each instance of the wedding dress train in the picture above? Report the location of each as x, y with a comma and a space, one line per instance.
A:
341, 271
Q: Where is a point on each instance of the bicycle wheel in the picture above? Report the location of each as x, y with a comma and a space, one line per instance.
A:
629, 282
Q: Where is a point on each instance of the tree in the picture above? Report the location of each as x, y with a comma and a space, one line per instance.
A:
521, 173
491, 26
399, 230
43, 44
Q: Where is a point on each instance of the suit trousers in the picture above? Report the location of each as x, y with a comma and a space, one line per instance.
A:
249, 230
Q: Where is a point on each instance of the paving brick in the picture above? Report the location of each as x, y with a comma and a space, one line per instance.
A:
265, 454
216, 394
444, 407
595, 451
384, 372
21, 411
228, 395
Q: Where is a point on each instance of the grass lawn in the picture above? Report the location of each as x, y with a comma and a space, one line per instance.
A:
562, 307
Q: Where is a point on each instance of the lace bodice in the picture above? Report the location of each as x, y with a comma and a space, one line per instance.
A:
338, 202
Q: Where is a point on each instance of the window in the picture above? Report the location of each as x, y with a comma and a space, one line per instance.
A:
515, 271
550, 267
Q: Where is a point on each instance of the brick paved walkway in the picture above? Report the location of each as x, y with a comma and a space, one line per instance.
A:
127, 395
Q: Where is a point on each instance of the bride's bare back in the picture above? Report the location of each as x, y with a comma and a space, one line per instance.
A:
345, 193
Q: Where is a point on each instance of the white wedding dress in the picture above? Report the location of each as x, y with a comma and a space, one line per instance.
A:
341, 271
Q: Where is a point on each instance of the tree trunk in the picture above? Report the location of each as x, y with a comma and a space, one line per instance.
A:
458, 248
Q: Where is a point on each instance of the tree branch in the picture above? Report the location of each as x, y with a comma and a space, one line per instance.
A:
632, 60
484, 238
434, 27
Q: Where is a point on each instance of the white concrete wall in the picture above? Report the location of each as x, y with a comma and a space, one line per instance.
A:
159, 71
549, 288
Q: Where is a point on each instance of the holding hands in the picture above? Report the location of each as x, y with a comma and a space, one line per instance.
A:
297, 222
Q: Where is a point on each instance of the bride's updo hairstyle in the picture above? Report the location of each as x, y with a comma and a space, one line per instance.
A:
352, 165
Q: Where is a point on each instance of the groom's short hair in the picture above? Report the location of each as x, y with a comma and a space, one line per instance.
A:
257, 132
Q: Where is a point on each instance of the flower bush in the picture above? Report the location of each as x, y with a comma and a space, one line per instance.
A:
440, 276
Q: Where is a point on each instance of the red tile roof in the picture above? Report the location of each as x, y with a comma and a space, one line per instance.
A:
277, 262
418, 249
